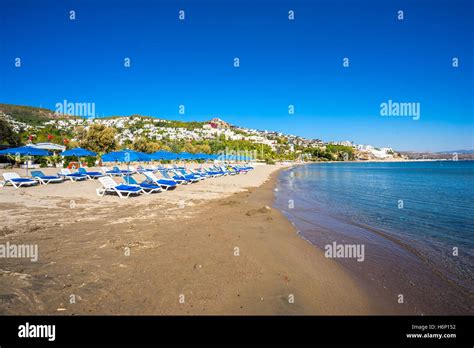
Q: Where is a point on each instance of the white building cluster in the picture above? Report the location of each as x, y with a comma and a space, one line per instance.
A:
16, 126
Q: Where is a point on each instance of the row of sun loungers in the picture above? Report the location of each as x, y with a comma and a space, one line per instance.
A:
172, 177
169, 180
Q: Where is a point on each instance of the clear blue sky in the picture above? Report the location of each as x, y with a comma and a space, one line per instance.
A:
282, 62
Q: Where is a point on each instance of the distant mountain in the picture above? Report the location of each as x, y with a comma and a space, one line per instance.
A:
448, 155
464, 152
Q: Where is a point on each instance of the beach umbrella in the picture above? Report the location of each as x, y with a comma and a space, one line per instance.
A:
186, 156
225, 157
126, 156
201, 156
78, 152
164, 155
25, 151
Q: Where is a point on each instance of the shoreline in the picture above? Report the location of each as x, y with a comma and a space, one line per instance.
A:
180, 261
410, 273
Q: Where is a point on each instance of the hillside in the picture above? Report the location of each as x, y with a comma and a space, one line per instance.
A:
148, 133
27, 114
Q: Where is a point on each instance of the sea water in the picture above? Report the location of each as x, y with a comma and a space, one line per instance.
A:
415, 220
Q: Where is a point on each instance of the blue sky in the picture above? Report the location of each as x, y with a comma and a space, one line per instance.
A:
282, 62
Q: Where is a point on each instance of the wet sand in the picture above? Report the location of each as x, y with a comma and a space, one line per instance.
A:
225, 251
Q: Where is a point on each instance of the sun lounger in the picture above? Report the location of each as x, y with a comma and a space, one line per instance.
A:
164, 183
66, 173
231, 170
39, 176
206, 172
192, 176
111, 173
226, 171
178, 179
122, 190
17, 181
200, 174
244, 169
140, 169
90, 175
221, 170
181, 173
124, 171
214, 171
147, 187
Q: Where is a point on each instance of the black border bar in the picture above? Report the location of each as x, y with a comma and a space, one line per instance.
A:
287, 330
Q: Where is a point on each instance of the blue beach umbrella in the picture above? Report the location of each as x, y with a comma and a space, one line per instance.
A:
201, 156
126, 156
78, 152
164, 155
25, 151
225, 157
186, 156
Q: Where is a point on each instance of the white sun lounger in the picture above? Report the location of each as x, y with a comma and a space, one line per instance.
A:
39, 176
17, 181
122, 190
166, 184
66, 173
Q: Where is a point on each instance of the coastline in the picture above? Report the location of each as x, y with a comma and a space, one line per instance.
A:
395, 266
179, 262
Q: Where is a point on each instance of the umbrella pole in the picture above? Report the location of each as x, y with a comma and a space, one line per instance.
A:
128, 174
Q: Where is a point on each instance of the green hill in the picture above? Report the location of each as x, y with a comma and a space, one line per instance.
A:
28, 114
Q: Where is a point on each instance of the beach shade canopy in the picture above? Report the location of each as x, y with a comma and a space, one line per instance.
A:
25, 151
201, 156
186, 156
225, 157
163, 155
126, 156
212, 157
78, 152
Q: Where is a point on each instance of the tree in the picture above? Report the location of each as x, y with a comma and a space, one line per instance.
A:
98, 138
142, 144
203, 148
188, 147
8, 135
165, 148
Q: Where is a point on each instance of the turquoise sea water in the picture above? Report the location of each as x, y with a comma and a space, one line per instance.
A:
411, 217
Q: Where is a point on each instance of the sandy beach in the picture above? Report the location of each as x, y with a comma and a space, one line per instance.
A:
214, 247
